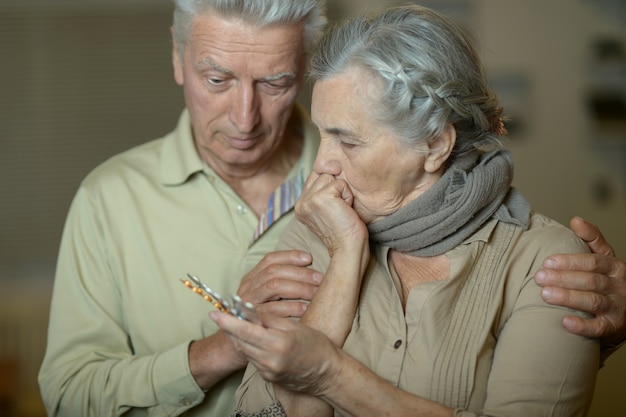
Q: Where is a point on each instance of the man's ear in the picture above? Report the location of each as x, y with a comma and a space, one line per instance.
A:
440, 149
176, 61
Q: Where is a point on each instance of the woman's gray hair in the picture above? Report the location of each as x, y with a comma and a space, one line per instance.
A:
257, 12
431, 74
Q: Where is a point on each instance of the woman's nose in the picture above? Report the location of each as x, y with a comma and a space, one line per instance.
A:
326, 161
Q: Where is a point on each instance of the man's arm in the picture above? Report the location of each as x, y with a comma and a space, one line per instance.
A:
92, 366
594, 283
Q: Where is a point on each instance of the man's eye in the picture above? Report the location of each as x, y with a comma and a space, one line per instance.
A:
215, 81
348, 145
276, 87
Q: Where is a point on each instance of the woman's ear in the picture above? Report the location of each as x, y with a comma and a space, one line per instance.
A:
178, 66
440, 149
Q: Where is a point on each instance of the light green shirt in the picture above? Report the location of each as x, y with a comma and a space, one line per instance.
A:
121, 320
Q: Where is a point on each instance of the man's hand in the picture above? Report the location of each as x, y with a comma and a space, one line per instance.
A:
281, 284
594, 283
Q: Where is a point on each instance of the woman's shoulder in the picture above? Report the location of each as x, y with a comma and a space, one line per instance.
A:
547, 234
525, 253
297, 236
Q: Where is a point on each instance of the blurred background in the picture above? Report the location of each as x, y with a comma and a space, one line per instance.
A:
81, 80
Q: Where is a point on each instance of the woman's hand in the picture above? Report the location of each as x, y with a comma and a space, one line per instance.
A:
325, 207
284, 351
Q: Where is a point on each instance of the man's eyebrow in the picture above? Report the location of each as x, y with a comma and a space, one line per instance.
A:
274, 77
208, 63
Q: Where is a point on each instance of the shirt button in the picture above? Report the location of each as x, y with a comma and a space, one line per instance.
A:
241, 209
185, 402
397, 344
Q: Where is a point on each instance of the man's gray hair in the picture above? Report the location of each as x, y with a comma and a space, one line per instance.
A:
258, 12
431, 74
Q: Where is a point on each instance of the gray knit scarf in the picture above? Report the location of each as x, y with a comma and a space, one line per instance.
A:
475, 188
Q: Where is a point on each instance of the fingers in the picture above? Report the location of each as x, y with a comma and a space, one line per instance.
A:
326, 208
588, 262
316, 182
574, 280
283, 351
280, 276
282, 281
286, 257
242, 334
284, 308
606, 321
287, 265
598, 295
319, 187
592, 235
588, 302
253, 339
595, 327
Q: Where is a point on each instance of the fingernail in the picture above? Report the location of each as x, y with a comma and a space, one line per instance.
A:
550, 263
569, 324
213, 315
317, 277
541, 277
547, 294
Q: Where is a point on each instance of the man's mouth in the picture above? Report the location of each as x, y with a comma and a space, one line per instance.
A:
242, 143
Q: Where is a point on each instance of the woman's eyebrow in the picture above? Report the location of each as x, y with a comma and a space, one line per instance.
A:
341, 132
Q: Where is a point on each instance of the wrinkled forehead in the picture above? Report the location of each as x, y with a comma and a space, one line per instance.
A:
354, 79
237, 29
231, 42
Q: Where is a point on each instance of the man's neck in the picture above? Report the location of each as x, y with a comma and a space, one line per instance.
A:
255, 188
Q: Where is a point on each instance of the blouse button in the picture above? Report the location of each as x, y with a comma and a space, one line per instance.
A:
397, 344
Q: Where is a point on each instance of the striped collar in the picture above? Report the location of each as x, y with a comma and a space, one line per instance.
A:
282, 201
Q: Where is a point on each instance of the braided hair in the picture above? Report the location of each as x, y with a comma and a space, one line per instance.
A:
430, 72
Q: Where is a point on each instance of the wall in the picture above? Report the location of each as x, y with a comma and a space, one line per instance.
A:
84, 79
561, 159
80, 81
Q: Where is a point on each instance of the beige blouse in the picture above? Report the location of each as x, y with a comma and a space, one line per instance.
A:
482, 342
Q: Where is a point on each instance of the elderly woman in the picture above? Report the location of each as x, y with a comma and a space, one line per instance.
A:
428, 305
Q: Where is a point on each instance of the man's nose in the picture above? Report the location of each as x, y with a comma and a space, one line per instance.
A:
245, 109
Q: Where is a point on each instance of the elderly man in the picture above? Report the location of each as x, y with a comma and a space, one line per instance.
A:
125, 336
211, 199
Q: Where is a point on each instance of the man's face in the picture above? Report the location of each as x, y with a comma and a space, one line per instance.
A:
240, 84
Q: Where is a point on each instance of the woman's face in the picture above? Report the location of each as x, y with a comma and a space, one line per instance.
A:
382, 172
